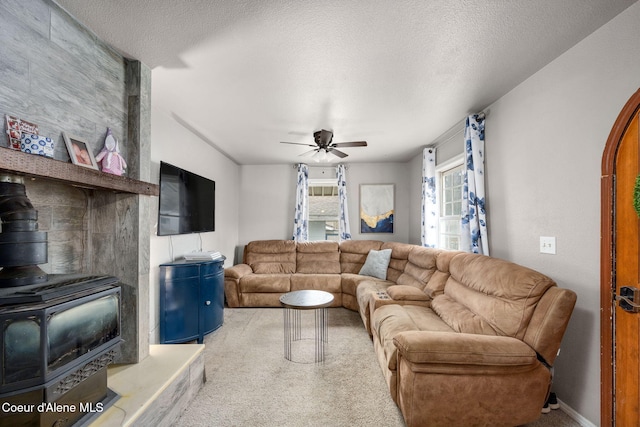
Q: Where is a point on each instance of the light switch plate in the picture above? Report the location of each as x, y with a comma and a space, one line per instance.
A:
547, 245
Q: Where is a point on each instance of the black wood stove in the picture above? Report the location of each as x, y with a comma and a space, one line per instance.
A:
58, 333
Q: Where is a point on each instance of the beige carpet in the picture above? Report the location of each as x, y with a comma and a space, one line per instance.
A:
249, 383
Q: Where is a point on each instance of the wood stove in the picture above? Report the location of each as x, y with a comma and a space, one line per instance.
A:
22, 246
56, 341
58, 333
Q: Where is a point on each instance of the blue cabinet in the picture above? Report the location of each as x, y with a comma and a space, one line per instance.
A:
191, 299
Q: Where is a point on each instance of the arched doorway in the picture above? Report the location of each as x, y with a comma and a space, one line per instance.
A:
620, 272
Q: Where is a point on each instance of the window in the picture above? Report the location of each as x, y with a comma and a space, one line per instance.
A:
450, 180
324, 210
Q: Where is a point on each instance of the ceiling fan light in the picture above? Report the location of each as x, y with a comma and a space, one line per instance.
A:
324, 149
332, 156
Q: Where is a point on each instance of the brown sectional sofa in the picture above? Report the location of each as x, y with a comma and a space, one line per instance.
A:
462, 339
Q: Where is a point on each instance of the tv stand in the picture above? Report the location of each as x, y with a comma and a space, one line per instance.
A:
191, 299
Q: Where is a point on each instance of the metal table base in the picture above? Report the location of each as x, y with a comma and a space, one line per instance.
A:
293, 331
306, 300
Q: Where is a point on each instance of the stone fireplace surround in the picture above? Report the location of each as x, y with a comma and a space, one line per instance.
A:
63, 78
101, 228
59, 75
94, 230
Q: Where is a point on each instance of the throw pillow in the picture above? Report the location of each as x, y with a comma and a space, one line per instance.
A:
376, 264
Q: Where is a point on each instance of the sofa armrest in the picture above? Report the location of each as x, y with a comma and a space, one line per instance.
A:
453, 348
232, 276
407, 293
237, 271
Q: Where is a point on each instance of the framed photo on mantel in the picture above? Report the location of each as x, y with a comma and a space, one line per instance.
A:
377, 208
80, 152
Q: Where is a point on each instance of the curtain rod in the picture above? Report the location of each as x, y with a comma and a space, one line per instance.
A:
453, 131
295, 165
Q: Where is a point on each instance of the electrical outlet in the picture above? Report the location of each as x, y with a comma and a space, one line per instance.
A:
547, 245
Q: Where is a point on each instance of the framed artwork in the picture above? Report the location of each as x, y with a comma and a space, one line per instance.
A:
80, 152
377, 208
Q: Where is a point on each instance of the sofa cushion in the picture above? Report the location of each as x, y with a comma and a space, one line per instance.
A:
399, 258
436, 283
318, 258
376, 264
322, 282
261, 283
271, 256
447, 348
389, 320
353, 254
461, 318
351, 282
491, 296
420, 266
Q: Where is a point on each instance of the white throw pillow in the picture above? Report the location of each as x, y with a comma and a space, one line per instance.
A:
376, 264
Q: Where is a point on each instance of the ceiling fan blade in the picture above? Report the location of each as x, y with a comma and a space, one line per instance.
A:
297, 143
337, 153
350, 144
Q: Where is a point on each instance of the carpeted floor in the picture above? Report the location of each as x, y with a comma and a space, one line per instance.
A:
249, 383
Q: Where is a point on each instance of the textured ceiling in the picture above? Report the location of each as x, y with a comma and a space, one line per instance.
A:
245, 75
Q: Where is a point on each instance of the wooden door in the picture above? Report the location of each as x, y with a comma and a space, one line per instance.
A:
620, 272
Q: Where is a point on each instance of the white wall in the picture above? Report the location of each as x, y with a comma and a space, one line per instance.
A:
544, 145
173, 143
380, 173
267, 199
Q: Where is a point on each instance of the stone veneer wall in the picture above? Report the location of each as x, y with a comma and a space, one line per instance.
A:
55, 73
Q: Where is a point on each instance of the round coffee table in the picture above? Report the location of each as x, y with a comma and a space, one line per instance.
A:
293, 303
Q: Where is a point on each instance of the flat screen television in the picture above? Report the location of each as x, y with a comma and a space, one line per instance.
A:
187, 202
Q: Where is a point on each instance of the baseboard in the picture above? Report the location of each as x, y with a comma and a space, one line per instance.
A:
575, 415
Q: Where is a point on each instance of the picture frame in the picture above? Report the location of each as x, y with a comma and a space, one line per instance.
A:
79, 151
377, 208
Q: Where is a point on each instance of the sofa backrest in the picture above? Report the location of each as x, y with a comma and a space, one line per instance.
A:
399, 259
409, 264
321, 257
271, 256
420, 267
435, 285
353, 254
491, 296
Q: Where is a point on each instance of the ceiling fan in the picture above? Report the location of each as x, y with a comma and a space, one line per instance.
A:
324, 146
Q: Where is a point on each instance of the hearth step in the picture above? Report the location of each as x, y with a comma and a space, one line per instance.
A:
156, 391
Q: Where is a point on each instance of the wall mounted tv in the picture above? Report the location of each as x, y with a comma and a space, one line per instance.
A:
187, 202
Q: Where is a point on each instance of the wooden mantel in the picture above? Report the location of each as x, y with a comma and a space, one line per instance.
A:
34, 166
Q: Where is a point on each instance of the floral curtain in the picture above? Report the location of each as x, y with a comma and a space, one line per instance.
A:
343, 222
301, 216
474, 236
429, 204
